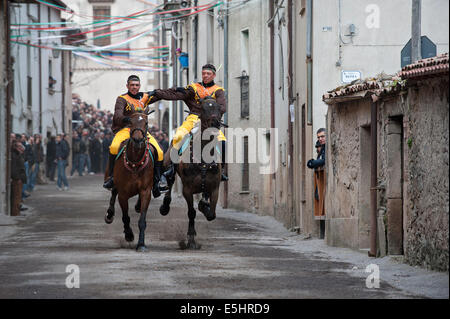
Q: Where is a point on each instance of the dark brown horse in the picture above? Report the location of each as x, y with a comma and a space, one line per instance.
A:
133, 175
198, 174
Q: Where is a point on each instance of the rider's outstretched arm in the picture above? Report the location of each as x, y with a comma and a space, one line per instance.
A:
172, 94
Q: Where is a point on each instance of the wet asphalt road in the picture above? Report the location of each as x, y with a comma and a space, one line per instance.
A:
242, 255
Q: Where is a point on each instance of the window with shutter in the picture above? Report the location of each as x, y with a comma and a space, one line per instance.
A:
245, 112
102, 13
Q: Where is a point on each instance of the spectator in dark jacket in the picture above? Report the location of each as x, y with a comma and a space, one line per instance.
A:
18, 175
85, 148
51, 157
320, 146
27, 142
319, 176
76, 154
320, 161
62, 153
95, 149
38, 157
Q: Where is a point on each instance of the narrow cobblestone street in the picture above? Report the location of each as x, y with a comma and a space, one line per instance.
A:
242, 256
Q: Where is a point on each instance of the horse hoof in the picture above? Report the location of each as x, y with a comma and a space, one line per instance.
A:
108, 220
137, 209
193, 245
164, 210
129, 237
189, 245
210, 218
141, 249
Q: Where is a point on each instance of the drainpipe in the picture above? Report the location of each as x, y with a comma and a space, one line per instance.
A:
180, 73
309, 8
373, 180
40, 73
291, 100
174, 68
272, 75
63, 90
225, 84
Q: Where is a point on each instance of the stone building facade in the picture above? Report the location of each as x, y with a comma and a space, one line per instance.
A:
412, 164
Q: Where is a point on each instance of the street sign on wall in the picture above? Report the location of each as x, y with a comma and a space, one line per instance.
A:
350, 76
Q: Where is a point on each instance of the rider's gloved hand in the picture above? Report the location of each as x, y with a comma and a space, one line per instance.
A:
126, 120
151, 95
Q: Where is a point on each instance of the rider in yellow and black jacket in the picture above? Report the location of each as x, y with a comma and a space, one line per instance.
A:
191, 96
127, 104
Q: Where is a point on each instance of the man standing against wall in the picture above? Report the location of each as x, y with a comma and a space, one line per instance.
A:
62, 152
319, 174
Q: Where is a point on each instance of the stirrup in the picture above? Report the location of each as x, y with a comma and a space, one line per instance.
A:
109, 184
155, 191
169, 175
163, 185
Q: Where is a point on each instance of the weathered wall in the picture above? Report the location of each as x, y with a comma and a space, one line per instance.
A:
412, 174
427, 192
347, 202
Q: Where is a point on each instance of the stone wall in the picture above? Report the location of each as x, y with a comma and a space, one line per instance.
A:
413, 200
427, 192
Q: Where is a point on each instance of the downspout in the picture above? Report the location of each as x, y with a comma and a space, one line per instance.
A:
9, 76
225, 84
272, 77
159, 77
309, 59
63, 90
291, 100
373, 180
174, 69
40, 72
180, 72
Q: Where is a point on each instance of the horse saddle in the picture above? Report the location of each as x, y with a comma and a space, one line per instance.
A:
124, 144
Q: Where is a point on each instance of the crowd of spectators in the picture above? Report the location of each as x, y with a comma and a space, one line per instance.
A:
27, 156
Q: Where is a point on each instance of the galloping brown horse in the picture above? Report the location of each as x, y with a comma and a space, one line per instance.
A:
133, 175
203, 177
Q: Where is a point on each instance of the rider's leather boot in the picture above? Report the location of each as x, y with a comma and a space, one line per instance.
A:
109, 183
167, 177
157, 179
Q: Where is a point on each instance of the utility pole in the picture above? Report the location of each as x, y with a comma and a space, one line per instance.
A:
9, 94
416, 48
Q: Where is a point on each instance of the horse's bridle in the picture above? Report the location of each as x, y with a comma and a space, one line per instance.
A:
144, 133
